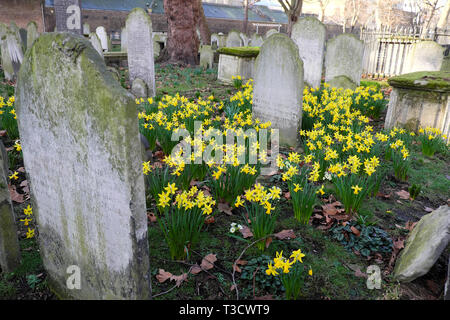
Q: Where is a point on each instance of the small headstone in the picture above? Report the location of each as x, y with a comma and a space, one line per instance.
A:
139, 88
12, 54
156, 49
424, 56
32, 33
269, 33
86, 29
95, 41
446, 64
256, 40
278, 87
141, 62
214, 41
343, 57
68, 16
206, 57
309, 35
103, 36
233, 39
9, 244
87, 181
424, 245
123, 40
244, 39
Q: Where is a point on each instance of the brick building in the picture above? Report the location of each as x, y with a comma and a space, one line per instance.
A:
22, 12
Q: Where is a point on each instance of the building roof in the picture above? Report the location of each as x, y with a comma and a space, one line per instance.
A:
218, 11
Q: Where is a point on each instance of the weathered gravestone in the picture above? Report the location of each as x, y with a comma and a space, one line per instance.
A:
214, 41
140, 48
309, 36
32, 34
269, 33
245, 39
424, 245
86, 29
233, 39
343, 61
123, 40
103, 36
278, 87
446, 64
9, 244
87, 182
256, 40
12, 54
68, 16
139, 88
424, 56
95, 41
206, 57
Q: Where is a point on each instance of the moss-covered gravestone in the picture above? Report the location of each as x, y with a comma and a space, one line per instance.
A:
278, 87
80, 140
424, 56
343, 58
206, 57
141, 62
256, 40
446, 64
32, 34
12, 51
233, 39
9, 245
309, 36
236, 61
96, 43
420, 99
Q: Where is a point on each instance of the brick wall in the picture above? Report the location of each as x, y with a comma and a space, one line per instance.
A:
22, 12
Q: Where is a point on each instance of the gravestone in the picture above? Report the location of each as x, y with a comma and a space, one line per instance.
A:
233, 39
343, 58
140, 48
156, 49
278, 87
424, 56
12, 54
206, 57
139, 88
123, 40
68, 16
95, 41
269, 33
32, 34
87, 181
309, 36
9, 244
23, 38
446, 64
103, 36
244, 39
86, 29
214, 41
256, 40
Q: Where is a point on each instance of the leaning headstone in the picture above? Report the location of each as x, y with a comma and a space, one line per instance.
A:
244, 39
95, 41
12, 54
9, 244
103, 36
269, 33
87, 182
233, 39
309, 36
343, 58
86, 29
32, 33
139, 88
140, 48
256, 40
424, 56
206, 57
427, 240
123, 40
68, 16
278, 87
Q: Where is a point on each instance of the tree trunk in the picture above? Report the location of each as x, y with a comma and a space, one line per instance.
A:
182, 39
443, 19
205, 33
246, 17
293, 15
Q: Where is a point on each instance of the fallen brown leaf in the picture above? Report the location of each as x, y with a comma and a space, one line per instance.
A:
210, 219
360, 274
331, 209
403, 194
285, 234
242, 262
21, 169
225, 207
246, 232
15, 196
355, 231
196, 269
162, 276
236, 268
287, 195
208, 261
151, 217
268, 241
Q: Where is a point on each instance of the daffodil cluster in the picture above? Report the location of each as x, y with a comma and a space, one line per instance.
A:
8, 117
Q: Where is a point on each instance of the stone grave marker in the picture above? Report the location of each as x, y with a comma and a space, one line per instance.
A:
12, 54
206, 57
87, 181
269, 33
68, 16
140, 48
123, 40
32, 34
278, 87
424, 56
9, 244
245, 39
103, 36
233, 39
95, 41
256, 40
343, 61
86, 29
309, 36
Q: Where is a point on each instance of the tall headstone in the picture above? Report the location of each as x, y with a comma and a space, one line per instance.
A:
9, 244
278, 87
12, 53
215, 41
32, 33
206, 57
68, 16
244, 38
156, 48
269, 33
424, 56
86, 29
103, 36
141, 62
95, 41
256, 40
343, 61
123, 40
233, 39
87, 181
309, 36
